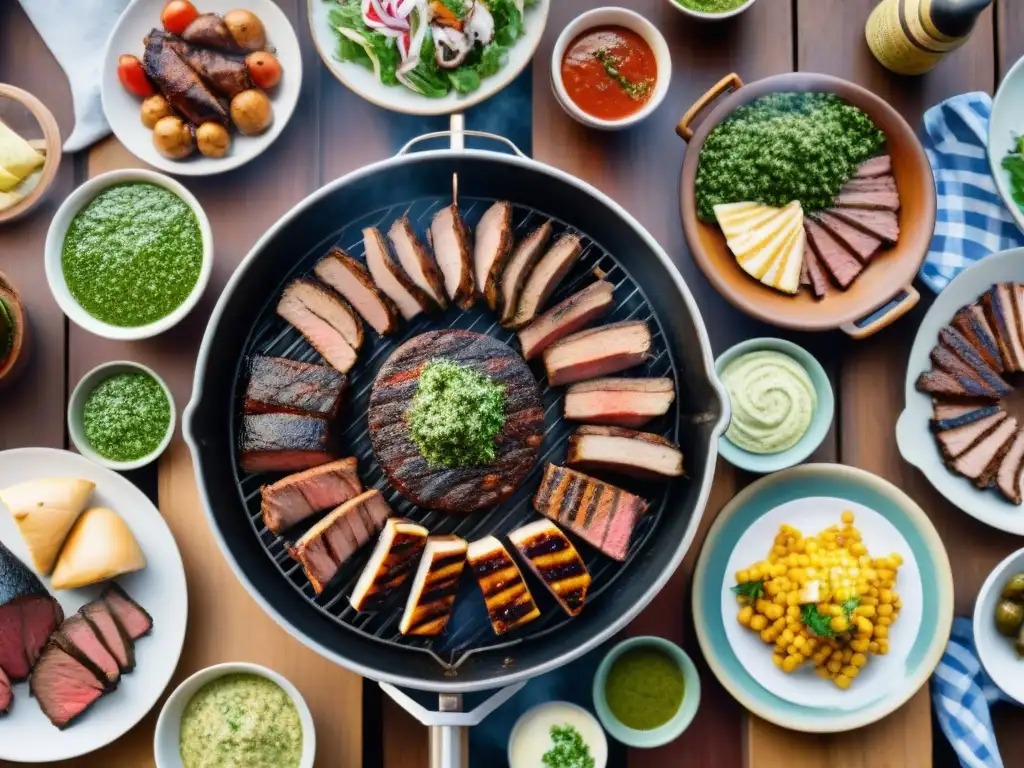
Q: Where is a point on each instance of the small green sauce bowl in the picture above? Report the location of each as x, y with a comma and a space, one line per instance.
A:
76, 407
821, 421
663, 734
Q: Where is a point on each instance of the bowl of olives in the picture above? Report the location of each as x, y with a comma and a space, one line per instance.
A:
999, 625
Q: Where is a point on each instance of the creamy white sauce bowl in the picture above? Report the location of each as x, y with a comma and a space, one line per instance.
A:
166, 746
527, 744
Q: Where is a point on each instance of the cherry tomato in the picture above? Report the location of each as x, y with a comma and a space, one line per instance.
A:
264, 69
177, 15
132, 76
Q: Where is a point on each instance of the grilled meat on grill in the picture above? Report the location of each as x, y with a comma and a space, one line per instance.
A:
508, 599
555, 561
392, 279
284, 442
597, 352
453, 250
491, 250
325, 320
65, 684
294, 498
434, 588
626, 451
393, 559
131, 616
224, 75
329, 543
417, 261
208, 30
599, 513
576, 312
520, 264
350, 278
619, 401
28, 616
182, 88
288, 386
545, 277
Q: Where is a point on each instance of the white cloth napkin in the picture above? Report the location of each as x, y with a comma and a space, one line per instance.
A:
76, 33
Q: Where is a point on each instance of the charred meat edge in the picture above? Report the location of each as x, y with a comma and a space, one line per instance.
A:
413, 299
621, 360
362, 276
626, 464
457, 267
524, 257
545, 277
491, 251
402, 234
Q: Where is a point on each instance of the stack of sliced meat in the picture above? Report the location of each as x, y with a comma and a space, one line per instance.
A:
977, 438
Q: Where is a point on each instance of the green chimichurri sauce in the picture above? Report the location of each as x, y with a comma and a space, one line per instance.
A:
711, 6
784, 147
455, 415
644, 688
133, 255
240, 721
126, 416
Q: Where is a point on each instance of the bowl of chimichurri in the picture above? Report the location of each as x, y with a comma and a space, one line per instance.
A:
235, 714
128, 254
121, 415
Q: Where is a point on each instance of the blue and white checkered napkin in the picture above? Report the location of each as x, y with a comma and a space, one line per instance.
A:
962, 694
971, 221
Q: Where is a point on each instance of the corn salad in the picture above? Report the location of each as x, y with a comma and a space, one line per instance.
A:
822, 599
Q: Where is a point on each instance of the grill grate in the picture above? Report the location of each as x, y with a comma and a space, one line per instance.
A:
468, 631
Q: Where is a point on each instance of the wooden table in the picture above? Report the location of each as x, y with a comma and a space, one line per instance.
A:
333, 132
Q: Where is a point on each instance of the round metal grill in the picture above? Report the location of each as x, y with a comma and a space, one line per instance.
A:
468, 631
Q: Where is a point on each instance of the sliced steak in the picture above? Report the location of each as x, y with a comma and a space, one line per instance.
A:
618, 401
78, 634
179, 84
941, 383
434, 588
945, 360
104, 622
460, 489
389, 276
417, 261
955, 342
225, 75
350, 278
319, 317
39, 619
874, 200
130, 615
288, 386
1008, 477
953, 416
28, 616
876, 166
981, 462
294, 498
599, 513
332, 308
625, 451
6, 693
953, 442
507, 598
859, 243
284, 442
65, 684
491, 250
545, 277
576, 312
524, 258
453, 250
598, 352
973, 324
815, 272
840, 263
885, 225
998, 303
873, 184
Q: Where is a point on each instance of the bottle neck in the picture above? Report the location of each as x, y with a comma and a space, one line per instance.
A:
953, 18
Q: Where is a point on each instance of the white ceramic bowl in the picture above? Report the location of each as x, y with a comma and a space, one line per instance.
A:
995, 651
165, 739
122, 108
76, 406
710, 16
1004, 124
53, 255
598, 744
621, 17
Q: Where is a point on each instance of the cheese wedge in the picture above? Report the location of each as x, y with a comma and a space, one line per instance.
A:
8, 180
99, 547
44, 511
767, 242
17, 156
784, 274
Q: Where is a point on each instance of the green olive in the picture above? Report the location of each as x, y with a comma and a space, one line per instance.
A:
1009, 617
1014, 588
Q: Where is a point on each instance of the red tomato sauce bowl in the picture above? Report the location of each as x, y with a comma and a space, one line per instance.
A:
610, 68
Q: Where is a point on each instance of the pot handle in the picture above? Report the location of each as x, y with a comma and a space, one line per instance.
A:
449, 723
457, 134
897, 307
729, 82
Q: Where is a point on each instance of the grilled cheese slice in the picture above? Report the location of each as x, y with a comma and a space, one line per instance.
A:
393, 559
508, 599
434, 587
554, 559
768, 243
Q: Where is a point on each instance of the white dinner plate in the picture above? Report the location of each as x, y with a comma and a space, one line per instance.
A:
123, 109
882, 673
398, 98
26, 735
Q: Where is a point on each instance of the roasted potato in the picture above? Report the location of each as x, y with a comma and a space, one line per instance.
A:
213, 139
172, 138
251, 111
246, 29
154, 108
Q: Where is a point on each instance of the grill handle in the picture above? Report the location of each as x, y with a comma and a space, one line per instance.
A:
449, 723
458, 133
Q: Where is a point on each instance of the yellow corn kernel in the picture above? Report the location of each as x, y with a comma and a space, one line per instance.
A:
859, 645
779, 624
834, 666
758, 622
883, 621
864, 626
865, 610
822, 672
842, 681
885, 609
858, 549
777, 660
858, 659
787, 635
754, 574
847, 517
790, 663
774, 612
745, 615
836, 656
881, 632
873, 646
793, 612
742, 577
800, 641
771, 589
839, 624
767, 635
781, 599
883, 647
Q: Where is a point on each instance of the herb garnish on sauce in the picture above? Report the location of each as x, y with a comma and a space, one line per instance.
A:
569, 750
637, 91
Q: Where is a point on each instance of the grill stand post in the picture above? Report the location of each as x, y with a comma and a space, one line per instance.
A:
449, 723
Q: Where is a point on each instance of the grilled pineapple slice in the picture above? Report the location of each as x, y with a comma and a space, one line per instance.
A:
768, 243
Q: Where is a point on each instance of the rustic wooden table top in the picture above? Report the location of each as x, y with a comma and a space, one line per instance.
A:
334, 132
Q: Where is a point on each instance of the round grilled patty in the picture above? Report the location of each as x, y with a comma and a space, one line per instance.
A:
455, 489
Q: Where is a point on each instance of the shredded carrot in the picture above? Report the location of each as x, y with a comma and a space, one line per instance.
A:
445, 16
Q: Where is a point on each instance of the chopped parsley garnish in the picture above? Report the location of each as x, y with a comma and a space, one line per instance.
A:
568, 750
816, 621
750, 589
636, 91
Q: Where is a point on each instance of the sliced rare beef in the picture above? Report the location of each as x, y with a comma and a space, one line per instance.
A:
842, 265
280, 385
324, 321
576, 312
130, 615
78, 634
947, 385
885, 225
350, 278
208, 30
522, 261
873, 184
225, 75
28, 616
815, 272
597, 352
545, 277
295, 497
453, 250
957, 343
66, 684
417, 261
883, 199
956, 440
981, 462
182, 88
950, 416
859, 243
972, 323
1000, 311
625, 451
284, 442
106, 624
619, 401
6, 693
389, 276
491, 250
876, 166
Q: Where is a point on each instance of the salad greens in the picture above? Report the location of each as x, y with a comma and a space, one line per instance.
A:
362, 39
1013, 163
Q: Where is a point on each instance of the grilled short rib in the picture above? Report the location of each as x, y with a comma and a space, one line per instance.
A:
292, 499
597, 352
278, 385
417, 261
619, 401
555, 561
508, 599
599, 513
545, 277
284, 442
455, 489
624, 451
491, 251
434, 587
